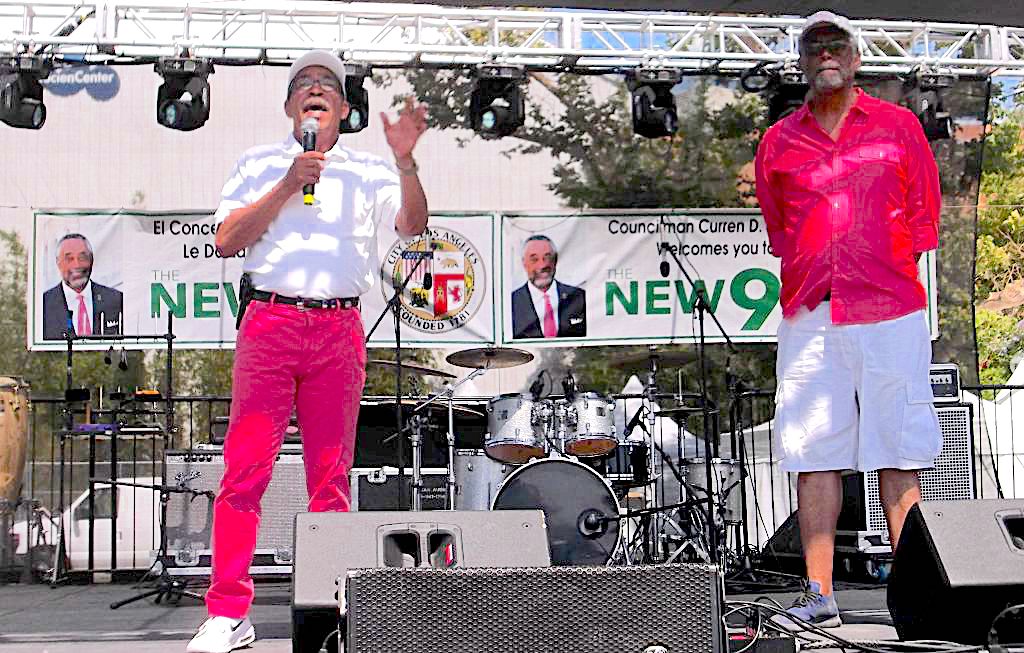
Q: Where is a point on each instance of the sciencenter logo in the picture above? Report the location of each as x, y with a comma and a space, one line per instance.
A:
100, 82
457, 280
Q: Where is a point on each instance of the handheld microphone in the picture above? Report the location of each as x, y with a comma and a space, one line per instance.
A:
428, 278
309, 127
664, 267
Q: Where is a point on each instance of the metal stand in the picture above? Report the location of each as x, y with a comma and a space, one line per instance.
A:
393, 307
710, 439
167, 587
449, 394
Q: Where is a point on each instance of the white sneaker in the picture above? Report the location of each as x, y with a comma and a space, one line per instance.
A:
222, 635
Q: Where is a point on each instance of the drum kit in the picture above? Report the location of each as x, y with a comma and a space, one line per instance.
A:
609, 497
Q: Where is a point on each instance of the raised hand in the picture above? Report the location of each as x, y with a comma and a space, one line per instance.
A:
403, 134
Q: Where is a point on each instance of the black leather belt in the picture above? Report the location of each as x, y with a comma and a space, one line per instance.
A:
339, 302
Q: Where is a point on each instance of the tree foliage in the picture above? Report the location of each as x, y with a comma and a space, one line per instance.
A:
1000, 245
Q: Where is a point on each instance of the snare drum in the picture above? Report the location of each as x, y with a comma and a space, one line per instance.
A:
477, 479
515, 432
589, 424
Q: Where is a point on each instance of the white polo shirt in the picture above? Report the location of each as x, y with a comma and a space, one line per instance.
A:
325, 250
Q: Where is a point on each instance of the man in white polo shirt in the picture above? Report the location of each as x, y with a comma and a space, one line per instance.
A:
301, 341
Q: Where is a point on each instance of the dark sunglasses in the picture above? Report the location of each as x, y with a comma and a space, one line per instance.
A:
834, 47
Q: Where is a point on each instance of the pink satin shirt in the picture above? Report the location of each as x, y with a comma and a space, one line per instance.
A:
848, 216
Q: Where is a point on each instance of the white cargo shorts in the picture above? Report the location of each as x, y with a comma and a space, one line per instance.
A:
854, 396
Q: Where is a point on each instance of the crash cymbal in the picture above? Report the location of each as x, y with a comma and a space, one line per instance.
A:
490, 357
413, 368
437, 408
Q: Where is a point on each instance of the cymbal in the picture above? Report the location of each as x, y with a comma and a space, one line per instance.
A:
682, 413
490, 357
641, 360
438, 407
412, 368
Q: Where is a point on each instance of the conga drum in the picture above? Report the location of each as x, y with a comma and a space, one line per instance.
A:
13, 437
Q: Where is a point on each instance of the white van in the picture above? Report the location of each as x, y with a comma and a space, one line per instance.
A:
136, 529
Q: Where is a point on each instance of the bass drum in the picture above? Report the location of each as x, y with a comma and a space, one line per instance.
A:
580, 509
477, 479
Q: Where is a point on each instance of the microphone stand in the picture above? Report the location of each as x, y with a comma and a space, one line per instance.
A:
710, 447
393, 306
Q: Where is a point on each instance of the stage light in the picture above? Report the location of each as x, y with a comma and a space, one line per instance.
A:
183, 100
497, 107
654, 106
786, 98
358, 100
21, 94
923, 96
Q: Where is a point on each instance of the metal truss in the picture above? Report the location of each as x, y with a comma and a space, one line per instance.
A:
395, 35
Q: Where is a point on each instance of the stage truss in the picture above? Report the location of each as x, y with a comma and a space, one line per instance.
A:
395, 35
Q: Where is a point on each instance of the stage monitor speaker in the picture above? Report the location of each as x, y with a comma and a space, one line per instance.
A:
665, 608
190, 521
957, 565
328, 545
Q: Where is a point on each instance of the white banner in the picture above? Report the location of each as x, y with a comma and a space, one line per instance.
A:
466, 279
611, 286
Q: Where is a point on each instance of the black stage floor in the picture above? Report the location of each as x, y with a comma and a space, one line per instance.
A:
78, 619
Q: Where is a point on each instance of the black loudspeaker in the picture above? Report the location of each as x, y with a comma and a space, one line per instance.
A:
668, 608
328, 545
958, 564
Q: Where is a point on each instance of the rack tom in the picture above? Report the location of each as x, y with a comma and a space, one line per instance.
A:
589, 424
515, 429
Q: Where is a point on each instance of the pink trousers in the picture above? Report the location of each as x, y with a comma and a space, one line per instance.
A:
314, 360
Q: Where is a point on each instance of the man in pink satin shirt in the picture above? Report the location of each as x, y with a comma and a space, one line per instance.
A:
850, 194
301, 343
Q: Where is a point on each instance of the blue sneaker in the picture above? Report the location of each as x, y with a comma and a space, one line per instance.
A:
813, 607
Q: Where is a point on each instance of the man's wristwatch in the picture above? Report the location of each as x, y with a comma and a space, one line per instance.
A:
411, 170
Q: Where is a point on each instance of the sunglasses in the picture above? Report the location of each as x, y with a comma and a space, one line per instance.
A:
834, 47
328, 83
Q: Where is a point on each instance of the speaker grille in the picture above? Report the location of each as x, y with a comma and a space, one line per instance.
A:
190, 522
951, 479
557, 609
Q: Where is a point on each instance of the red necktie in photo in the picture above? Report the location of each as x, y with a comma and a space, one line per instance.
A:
84, 324
550, 330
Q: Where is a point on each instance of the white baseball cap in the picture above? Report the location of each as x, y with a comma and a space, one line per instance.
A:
319, 58
824, 18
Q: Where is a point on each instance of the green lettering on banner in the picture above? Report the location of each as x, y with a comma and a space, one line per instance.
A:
200, 299
688, 301
229, 293
612, 291
158, 295
657, 291
762, 306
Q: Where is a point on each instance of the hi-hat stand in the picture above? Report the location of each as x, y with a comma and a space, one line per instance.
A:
166, 587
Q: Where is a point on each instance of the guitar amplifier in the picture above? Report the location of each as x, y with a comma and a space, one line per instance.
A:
190, 521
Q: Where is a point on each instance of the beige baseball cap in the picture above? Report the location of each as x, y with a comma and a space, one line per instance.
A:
318, 58
823, 18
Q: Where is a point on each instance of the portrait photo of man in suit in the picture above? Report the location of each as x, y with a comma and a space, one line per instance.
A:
544, 307
77, 303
